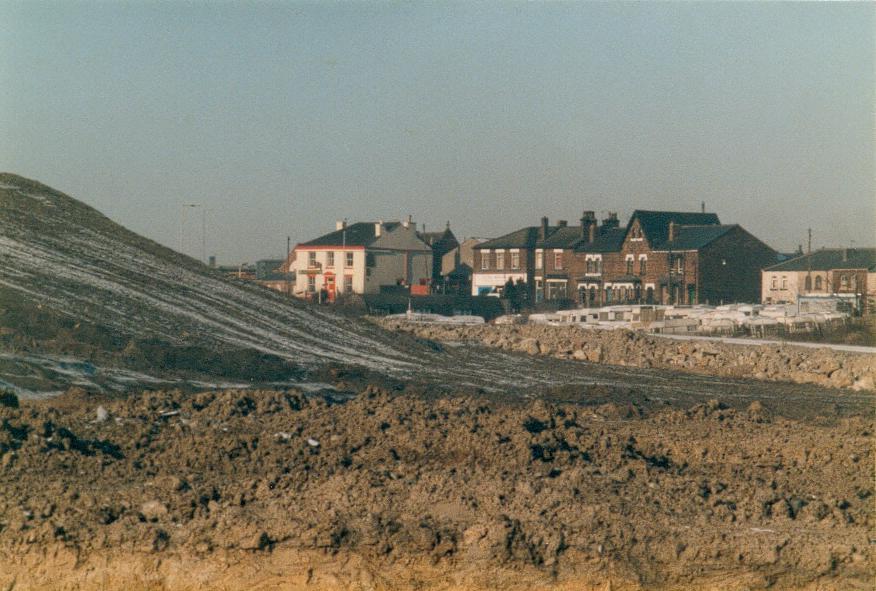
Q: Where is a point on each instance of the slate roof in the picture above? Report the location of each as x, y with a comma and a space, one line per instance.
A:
445, 239
655, 224
522, 238
608, 241
561, 237
358, 234
693, 237
831, 258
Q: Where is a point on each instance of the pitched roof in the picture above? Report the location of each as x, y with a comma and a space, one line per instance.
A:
608, 241
522, 238
560, 237
693, 237
445, 238
655, 224
831, 258
358, 234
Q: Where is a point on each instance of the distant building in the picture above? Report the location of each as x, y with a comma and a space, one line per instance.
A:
845, 273
659, 257
441, 243
457, 266
361, 258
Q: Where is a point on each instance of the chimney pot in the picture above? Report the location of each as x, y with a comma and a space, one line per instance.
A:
671, 231
378, 228
562, 223
544, 228
340, 224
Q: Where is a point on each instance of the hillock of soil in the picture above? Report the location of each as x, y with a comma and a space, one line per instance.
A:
823, 366
275, 489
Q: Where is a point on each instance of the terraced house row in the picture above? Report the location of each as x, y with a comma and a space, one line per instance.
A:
660, 257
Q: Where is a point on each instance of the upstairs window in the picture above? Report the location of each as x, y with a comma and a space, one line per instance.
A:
784, 282
539, 259
500, 260
329, 259
643, 266
774, 284
485, 260
558, 259
818, 284
807, 285
348, 259
311, 259
515, 260
629, 266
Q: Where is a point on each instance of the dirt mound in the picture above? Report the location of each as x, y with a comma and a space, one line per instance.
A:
279, 490
823, 367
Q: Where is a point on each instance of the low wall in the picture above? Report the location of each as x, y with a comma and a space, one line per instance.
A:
786, 363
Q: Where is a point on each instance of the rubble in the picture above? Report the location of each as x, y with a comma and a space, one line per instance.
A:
821, 366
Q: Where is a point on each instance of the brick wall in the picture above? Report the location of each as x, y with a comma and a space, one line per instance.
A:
730, 268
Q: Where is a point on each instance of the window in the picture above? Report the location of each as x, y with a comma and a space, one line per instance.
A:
643, 266
844, 282
311, 283
329, 259
679, 265
818, 285
854, 282
558, 260
807, 285
515, 260
629, 266
485, 259
348, 284
590, 266
500, 260
539, 259
348, 259
774, 284
311, 259
784, 282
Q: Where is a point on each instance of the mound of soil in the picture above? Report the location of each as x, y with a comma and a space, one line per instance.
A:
278, 490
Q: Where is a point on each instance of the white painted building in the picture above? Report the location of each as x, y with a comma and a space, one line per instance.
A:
360, 258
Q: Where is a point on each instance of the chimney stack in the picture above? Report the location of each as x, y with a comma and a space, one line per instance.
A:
542, 233
671, 231
562, 223
378, 228
845, 255
703, 206
588, 225
340, 224
610, 222
409, 222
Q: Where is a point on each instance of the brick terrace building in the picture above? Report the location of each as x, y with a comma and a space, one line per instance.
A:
660, 257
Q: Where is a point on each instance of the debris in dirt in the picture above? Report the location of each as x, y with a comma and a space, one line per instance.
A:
153, 510
101, 414
312, 442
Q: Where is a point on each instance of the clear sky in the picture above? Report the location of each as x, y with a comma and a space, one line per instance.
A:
283, 117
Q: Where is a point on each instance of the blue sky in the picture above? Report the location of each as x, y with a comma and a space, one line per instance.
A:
283, 117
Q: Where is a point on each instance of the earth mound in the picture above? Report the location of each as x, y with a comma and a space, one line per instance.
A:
277, 489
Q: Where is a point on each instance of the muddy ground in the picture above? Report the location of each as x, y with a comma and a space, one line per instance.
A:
395, 490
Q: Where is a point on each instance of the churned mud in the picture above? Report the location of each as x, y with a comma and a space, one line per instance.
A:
279, 490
